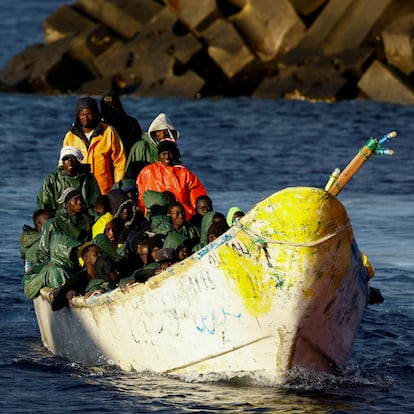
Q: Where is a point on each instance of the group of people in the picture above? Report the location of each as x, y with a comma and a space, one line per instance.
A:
119, 208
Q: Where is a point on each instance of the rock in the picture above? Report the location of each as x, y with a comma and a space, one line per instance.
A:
263, 29
382, 83
226, 48
89, 45
65, 21
398, 43
307, 7
343, 24
298, 49
46, 69
310, 74
126, 18
195, 15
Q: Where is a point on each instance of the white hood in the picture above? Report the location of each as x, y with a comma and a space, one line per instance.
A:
162, 122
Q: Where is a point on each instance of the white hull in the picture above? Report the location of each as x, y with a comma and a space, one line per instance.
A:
285, 289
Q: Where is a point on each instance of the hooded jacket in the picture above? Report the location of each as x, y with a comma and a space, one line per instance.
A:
113, 113
75, 228
175, 178
104, 152
56, 182
145, 152
29, 243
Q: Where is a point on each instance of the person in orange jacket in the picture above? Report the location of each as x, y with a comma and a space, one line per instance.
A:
164, 175
99, 143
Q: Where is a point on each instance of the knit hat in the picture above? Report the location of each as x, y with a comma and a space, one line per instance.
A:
137, 240
166, 254
68, 194
166, 145
69, 151
87, 103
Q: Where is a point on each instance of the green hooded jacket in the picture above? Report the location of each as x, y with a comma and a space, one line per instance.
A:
49, 194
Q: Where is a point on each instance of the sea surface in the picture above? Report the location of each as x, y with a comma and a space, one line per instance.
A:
243, 150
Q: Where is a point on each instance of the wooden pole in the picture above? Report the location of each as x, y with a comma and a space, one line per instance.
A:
373, 145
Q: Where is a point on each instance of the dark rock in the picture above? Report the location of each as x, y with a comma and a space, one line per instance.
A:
301, 49
398, 43
382, 83
64, 22
263, 29
126, 18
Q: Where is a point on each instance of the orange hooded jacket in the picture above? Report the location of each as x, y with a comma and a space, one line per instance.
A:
175, 178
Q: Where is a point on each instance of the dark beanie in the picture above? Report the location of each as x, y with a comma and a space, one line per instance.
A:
137, 240
87, 103
166, 254
167, 145
68, 194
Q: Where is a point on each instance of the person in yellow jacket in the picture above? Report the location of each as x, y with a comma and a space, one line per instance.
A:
99, 143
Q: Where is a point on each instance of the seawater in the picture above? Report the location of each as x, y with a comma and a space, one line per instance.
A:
243, 150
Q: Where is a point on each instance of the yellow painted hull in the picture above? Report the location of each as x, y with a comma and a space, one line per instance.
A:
284, 288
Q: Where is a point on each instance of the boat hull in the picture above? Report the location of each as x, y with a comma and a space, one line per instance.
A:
284, 288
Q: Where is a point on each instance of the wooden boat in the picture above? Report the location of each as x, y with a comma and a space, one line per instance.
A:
283, 288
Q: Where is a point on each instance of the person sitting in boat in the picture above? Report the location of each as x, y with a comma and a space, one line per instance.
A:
164, 175
99, 144
145, 151
77, 283
147, 250
216, 229
126, 212
180, 225
208, 219
30, 237
108, 238
113, 113
182, 245
204, 204
60, 238
107, 276
156, 206
233, 215
166, 257
69, 173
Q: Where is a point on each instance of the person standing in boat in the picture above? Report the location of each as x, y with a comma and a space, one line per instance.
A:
99, 144
164, 175
145, 151
113, 113
69, 173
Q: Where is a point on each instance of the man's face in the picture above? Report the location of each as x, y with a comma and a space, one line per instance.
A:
87, 118
111, 231
203, 207
166, 157
177, 214
75, 205
70, 165
162, 134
